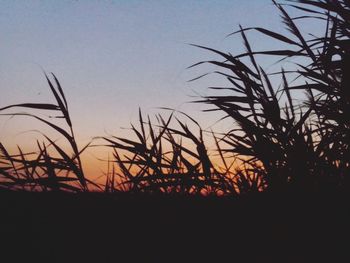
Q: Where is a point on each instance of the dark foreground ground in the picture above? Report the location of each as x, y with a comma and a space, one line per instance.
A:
42, 227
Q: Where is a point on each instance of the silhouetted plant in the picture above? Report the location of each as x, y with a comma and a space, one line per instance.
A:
43, 171
304, 145
164, 159
276, 143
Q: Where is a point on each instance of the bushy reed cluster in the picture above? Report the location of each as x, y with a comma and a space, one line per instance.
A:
277, 143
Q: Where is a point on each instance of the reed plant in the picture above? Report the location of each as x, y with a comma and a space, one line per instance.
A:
171, 160
300, 145
277, 143
51, 167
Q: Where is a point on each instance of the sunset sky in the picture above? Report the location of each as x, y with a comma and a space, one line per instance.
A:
115, 56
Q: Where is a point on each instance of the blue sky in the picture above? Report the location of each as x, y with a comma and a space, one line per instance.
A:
115, 56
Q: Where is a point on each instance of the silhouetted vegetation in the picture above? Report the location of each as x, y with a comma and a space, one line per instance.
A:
274, 188
41, 170
300, 145
277, 143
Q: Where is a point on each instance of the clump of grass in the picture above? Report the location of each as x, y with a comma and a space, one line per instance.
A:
305, 145
41, 170
279, 143
165, 159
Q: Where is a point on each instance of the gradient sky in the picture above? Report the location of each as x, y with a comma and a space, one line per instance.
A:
115, 56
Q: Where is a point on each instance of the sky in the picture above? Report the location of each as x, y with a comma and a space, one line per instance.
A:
114, 57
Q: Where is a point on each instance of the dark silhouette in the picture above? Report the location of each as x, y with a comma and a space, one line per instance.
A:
167, 200
281, 144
